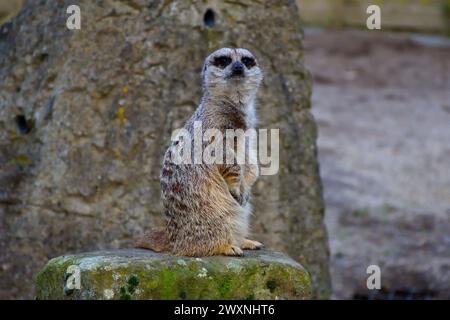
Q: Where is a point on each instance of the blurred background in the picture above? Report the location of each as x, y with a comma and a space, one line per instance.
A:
382, 103
381, 100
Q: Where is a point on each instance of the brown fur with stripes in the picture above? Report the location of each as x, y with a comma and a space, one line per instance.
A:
207, 206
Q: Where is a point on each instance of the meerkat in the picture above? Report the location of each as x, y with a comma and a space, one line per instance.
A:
207, 206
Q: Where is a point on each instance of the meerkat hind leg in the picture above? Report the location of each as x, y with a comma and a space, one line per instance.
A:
248, 244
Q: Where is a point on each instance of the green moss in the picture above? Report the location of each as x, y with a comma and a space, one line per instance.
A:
168, 283
166, 277
183, 295
50, 282
21, 161
133, 282
225, 285
214, 38
124, 294
272, 285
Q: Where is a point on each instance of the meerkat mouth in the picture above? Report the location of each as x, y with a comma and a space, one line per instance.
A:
236, 76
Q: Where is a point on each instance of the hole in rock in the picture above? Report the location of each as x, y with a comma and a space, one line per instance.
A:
23, 125
209, 19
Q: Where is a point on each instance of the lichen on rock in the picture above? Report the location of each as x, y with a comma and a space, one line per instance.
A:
142, 274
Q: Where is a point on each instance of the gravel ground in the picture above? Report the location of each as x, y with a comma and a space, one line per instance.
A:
382, 103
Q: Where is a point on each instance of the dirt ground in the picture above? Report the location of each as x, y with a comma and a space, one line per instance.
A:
382, 103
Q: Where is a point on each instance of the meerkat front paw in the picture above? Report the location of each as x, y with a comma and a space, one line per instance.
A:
248, 244
230, 250
242, 199
241, 196
237, 196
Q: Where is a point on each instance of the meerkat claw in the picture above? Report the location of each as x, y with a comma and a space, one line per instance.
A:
251, 245
237, 251
231, 250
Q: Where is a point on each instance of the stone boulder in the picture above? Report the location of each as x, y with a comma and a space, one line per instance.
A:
143, 274
86, 116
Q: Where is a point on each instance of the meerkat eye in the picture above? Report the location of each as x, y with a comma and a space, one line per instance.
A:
249, 62
222, 61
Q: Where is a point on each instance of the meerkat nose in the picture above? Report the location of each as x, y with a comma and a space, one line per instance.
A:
237, 68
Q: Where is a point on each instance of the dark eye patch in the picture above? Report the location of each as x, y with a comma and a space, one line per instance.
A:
249, 62
221, 61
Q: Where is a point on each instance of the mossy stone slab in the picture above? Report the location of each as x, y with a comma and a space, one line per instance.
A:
144, 274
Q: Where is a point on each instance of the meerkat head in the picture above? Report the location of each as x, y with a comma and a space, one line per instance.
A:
229, 70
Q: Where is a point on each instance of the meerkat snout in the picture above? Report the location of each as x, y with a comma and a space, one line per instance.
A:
231, 68
237, 69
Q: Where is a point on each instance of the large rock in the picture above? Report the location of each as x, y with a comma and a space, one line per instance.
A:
143, 274
86, 115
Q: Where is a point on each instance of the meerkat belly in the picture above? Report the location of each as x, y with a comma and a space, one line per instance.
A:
250, 173
194, 189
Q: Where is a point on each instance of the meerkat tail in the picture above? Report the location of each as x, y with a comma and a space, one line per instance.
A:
154, 239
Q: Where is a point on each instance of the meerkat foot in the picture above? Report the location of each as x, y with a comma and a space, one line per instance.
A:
248, 244
230, 250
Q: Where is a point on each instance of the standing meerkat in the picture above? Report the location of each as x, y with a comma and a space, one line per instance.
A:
207, 206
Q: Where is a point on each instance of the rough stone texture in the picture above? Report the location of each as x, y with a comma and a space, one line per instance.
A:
85, 117
143, 274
